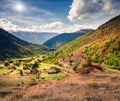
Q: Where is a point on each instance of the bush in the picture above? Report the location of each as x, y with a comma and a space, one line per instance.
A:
21, 73
96, 59
18, 63
6, 63
85, 70
87, 63
75, 68
56, 62
52, 67
35, 65
33, 82
93, 84
26, 68
38, 75
114, 67
113, 59
70, 61
60, 65
10, 61
30, 65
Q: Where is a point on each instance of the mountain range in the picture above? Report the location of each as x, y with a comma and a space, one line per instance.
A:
64, 38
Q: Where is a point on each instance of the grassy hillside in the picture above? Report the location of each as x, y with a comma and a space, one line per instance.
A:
11, 47
103, 45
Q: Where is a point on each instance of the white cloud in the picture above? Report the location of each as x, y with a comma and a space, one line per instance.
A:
51, 26
85, 9
108, 5
10, 26
76, 27
23, 14
57, 27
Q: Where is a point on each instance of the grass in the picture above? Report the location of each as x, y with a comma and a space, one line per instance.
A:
46, 66
48, 88
15, 79
4, 71
76, 88
56, 77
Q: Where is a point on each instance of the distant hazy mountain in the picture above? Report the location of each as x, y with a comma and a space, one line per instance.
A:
13, 47
35, 37
64, 38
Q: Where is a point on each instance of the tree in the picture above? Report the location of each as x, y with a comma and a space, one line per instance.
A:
21, 73
6, 64
35, 65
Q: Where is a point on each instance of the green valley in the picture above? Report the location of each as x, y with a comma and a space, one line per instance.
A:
69, 56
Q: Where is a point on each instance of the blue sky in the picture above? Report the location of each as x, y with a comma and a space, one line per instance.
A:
56, 15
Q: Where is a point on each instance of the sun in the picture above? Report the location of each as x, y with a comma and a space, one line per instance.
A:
19, 7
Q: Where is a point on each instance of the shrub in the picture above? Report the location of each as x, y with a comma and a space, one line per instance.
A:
33, 82
56, 62
18, 63
61, 65
52, 67
21, 73
96, 59
25, 68
6, 63
87, 63
93, 84
71, 61
85, 70
30, 65
10, 61
114, 67
17, 84
35, 65
75, 68
38, 75
113, 59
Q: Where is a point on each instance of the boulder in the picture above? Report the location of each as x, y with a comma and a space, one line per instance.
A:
55, 71
33, 71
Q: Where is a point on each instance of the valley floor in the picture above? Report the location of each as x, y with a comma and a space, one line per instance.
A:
103, 86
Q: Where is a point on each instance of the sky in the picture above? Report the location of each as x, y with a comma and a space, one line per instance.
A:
57, 16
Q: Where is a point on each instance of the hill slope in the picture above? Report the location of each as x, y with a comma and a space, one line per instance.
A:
64, 38
11, 46
102, 45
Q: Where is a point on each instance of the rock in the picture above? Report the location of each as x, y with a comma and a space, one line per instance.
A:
33, 71
55, 71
